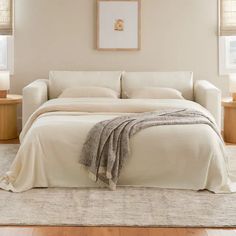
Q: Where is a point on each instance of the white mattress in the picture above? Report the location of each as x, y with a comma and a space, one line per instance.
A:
179, 156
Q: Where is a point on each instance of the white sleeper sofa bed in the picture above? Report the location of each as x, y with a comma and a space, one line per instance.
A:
200, 91
55, 129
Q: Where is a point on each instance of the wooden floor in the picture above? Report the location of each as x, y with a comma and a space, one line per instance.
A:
109, 231
90, 231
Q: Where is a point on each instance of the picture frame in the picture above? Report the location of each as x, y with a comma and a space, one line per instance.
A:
118, 25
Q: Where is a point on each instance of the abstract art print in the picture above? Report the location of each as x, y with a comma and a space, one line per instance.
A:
118, 24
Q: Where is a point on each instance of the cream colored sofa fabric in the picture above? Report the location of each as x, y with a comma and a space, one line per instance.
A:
34, 95
209, 97
60, 80
156, 93
202, 92
182, 81
89, 92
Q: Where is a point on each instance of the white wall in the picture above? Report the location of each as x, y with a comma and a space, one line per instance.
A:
60, 35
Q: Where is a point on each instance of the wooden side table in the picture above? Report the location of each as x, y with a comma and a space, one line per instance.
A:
229, 120
8, 116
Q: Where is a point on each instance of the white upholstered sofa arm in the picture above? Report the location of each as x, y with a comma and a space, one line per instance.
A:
209, 97
34, 95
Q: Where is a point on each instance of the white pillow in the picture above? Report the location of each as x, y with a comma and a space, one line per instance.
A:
157, 93
79, 92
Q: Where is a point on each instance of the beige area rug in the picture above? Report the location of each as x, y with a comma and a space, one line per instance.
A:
124, 207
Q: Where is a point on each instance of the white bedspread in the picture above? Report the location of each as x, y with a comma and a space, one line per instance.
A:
180, 156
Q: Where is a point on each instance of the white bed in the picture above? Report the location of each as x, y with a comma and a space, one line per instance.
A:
180, 156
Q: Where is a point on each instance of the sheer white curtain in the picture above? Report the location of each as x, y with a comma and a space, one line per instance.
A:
6, 17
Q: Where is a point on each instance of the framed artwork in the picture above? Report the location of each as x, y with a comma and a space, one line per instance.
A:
118, 24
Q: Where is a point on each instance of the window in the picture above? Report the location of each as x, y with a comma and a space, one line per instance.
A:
6, 38
231, 52
3, 53
6, 53
227, 55
227, 38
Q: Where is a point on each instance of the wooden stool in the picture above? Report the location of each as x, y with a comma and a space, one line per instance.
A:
8, 116
229, 120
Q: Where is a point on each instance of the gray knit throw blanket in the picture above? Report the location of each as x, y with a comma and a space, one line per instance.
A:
107, 145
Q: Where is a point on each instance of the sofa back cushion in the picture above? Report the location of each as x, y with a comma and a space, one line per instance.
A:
182, 81
61, 80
